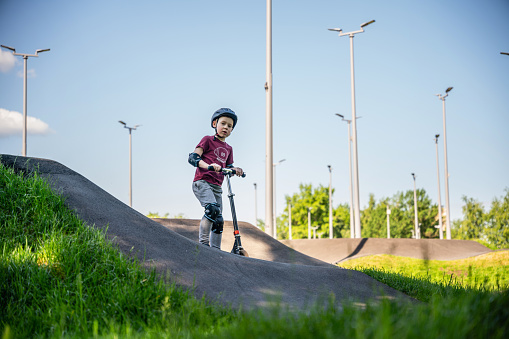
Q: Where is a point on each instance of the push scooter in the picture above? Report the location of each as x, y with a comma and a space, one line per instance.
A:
237, 245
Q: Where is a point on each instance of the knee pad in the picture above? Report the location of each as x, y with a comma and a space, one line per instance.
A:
212, 211
217, 226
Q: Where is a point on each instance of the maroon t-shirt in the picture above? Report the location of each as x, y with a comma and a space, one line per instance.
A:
214, 151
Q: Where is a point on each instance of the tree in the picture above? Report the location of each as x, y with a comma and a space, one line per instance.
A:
318, 200
374, 219
497, 230
491, 227
402, 218
473, 223
341, 221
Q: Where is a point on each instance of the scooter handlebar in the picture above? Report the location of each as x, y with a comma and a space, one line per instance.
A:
227, 171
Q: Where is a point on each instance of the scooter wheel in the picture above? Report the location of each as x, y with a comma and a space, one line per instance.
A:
243, 253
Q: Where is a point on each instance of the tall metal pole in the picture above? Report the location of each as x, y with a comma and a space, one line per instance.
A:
440, 226
352, 221
355, 157
417, 231
357, 209
25, 117
269, 180
331, 235
130, 160
24, 149
130, 169
447, 206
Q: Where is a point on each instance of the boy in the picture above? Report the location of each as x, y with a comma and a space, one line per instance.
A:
213, 151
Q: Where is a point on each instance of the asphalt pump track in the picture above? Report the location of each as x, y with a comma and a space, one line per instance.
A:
274, 274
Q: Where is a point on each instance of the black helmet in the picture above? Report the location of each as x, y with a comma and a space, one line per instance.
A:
224, 112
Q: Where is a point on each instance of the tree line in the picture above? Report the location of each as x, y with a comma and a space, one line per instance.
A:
490, 226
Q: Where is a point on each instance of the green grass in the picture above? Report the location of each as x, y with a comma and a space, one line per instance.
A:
424, 278
58, 276
62, 278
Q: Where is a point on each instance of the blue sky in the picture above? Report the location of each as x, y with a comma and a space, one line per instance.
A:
168, 65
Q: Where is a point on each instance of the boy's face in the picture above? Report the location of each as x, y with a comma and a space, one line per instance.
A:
224, 126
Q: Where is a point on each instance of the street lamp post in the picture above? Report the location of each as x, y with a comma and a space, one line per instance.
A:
25, 59
440, 226
447, 206
352, 220
269, 159
275, 211
331, 235
417, 230
130, 160
354, 128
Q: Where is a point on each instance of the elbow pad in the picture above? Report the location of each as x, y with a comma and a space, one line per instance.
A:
194, 159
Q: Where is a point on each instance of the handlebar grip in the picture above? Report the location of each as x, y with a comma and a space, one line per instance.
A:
211, 168
235, 172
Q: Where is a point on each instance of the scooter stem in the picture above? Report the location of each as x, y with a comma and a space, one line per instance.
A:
236, 233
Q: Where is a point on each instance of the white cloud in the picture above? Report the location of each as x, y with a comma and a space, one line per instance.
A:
7, 61
11, 123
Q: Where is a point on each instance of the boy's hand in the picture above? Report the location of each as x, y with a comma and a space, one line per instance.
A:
238, 171
217, 168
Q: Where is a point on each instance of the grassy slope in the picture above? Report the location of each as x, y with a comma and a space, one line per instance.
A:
61, 278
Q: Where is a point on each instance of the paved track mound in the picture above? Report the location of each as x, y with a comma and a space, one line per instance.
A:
241, 282
256, 242
337, 250
319, 252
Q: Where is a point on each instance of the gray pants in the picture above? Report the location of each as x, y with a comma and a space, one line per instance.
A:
207, 193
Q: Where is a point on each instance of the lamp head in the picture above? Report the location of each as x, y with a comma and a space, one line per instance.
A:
41, 50
339, 115
367, 23
437, 135
12, 49
123, 123
448, 90
339, 30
